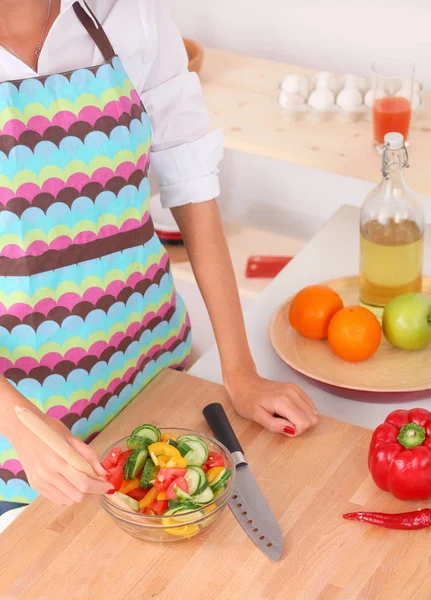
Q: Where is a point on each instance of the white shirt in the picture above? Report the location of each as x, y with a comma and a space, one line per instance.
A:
184, 155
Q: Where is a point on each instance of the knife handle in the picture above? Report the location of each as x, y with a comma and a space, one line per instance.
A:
217, 419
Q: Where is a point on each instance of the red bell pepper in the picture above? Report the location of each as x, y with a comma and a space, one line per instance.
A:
399, 458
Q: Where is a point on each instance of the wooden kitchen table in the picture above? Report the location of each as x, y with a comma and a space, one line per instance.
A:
78, 553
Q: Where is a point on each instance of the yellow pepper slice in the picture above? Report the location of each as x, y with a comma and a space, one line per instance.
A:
149, 498
161, 496
164, 450
208, 509
168, 436
214, 473
128, 485
186, 531
179, 463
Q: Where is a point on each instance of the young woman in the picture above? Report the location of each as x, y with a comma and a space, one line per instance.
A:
88, 309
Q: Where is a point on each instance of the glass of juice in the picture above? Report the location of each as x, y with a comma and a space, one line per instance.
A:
393, 85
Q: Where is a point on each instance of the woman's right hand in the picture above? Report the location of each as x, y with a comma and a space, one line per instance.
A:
50, 474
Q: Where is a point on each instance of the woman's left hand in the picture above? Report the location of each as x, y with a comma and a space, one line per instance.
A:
259, 399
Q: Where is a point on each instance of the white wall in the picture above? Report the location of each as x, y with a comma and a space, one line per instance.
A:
338, 35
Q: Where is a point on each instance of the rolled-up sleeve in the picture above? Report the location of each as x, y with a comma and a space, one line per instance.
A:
185, 156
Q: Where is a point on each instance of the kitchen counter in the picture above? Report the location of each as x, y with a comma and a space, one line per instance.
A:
241, 94
332, 253
79, 553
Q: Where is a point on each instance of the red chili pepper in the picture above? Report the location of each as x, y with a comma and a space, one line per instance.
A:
399, 458
417, 519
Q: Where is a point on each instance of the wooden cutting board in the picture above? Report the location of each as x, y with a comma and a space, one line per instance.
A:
78, 553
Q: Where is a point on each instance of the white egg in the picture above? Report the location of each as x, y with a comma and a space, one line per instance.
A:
354, 82
295, 84
327, 80
321, 99
290, 84
369, 97
289, 100
349, 99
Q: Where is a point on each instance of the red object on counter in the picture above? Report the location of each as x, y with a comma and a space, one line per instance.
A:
266, 266
391, 114
399, 457
417, 519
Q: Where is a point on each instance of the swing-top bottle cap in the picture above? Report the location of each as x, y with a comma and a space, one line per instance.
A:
394, 141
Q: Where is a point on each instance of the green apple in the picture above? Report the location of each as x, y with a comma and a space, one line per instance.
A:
407, 321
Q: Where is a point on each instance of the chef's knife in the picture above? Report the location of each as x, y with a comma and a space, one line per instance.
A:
247, 503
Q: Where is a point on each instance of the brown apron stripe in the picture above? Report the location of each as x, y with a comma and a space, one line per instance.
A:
71, 418
79, 129
76, 253
69, 194
65, 367
84, 308
6, 475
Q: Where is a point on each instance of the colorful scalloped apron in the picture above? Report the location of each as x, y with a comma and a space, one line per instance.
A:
88, 310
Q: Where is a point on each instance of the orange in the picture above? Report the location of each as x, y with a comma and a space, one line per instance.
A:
312, 309
354, 333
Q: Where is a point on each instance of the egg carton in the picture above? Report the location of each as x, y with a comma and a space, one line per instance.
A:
346, 96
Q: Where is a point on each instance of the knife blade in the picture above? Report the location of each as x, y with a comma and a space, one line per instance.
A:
247, 503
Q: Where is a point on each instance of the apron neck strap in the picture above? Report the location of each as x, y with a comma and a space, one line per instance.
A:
95, 30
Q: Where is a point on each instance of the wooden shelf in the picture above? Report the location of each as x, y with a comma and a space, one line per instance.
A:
243, 242
241, 94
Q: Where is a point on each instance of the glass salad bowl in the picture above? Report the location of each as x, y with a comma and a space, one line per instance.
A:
171, 527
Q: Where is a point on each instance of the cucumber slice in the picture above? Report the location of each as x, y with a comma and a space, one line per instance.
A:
204, 497
182, 495
125, 502
196, 480
135, 442
173, 503
172, 443
148, 474
221, 480
198, 454
135, 463
147, 431
183, 448
182, 513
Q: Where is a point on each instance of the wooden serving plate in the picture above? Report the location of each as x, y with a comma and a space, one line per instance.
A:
389, 370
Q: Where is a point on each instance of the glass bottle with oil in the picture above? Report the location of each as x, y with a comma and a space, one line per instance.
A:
392, 230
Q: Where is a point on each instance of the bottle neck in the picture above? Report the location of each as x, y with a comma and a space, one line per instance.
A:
393, 164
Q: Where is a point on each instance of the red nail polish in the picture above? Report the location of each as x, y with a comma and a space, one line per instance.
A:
290, 430
111, 491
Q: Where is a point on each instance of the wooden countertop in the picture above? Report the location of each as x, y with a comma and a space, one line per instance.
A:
241, 93
78, 553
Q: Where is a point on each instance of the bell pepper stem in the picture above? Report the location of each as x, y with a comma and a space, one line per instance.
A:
411, 435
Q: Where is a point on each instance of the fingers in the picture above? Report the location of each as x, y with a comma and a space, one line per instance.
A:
303, 397
274, 424
84, 484
88, 453
55, 495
